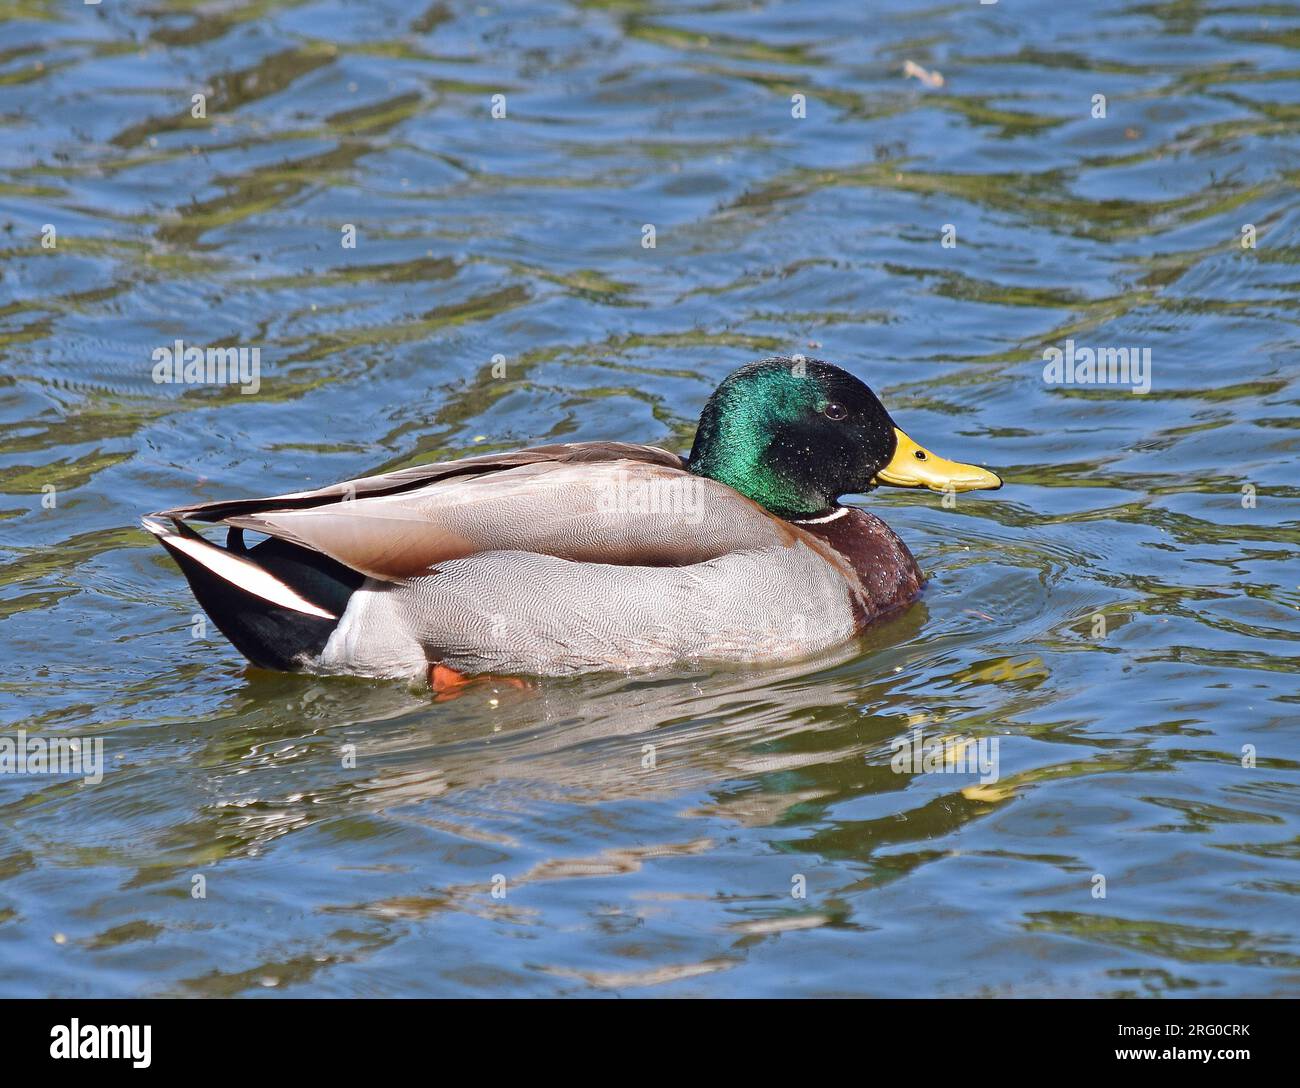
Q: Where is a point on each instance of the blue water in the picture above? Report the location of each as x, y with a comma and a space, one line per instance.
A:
1173, 515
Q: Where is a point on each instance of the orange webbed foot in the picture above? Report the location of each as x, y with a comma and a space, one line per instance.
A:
448, 683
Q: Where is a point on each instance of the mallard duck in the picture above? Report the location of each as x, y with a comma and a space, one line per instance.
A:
583, 556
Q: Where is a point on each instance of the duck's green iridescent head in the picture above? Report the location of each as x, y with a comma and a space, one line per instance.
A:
794, 435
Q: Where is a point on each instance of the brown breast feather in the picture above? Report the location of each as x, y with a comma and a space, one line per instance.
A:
881, 572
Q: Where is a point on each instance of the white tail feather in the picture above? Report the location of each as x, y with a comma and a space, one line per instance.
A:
236, 570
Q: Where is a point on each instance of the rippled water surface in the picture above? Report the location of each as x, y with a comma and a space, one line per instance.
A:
1121, 750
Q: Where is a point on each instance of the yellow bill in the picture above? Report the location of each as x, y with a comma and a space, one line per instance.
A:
915, 466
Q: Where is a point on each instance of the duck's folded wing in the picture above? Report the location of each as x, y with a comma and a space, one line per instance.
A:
588, 502
407, 479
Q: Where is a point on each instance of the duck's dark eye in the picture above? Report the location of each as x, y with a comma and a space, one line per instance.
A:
835, 411
920, 455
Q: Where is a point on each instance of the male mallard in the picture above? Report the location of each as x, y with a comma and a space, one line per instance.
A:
588, 555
